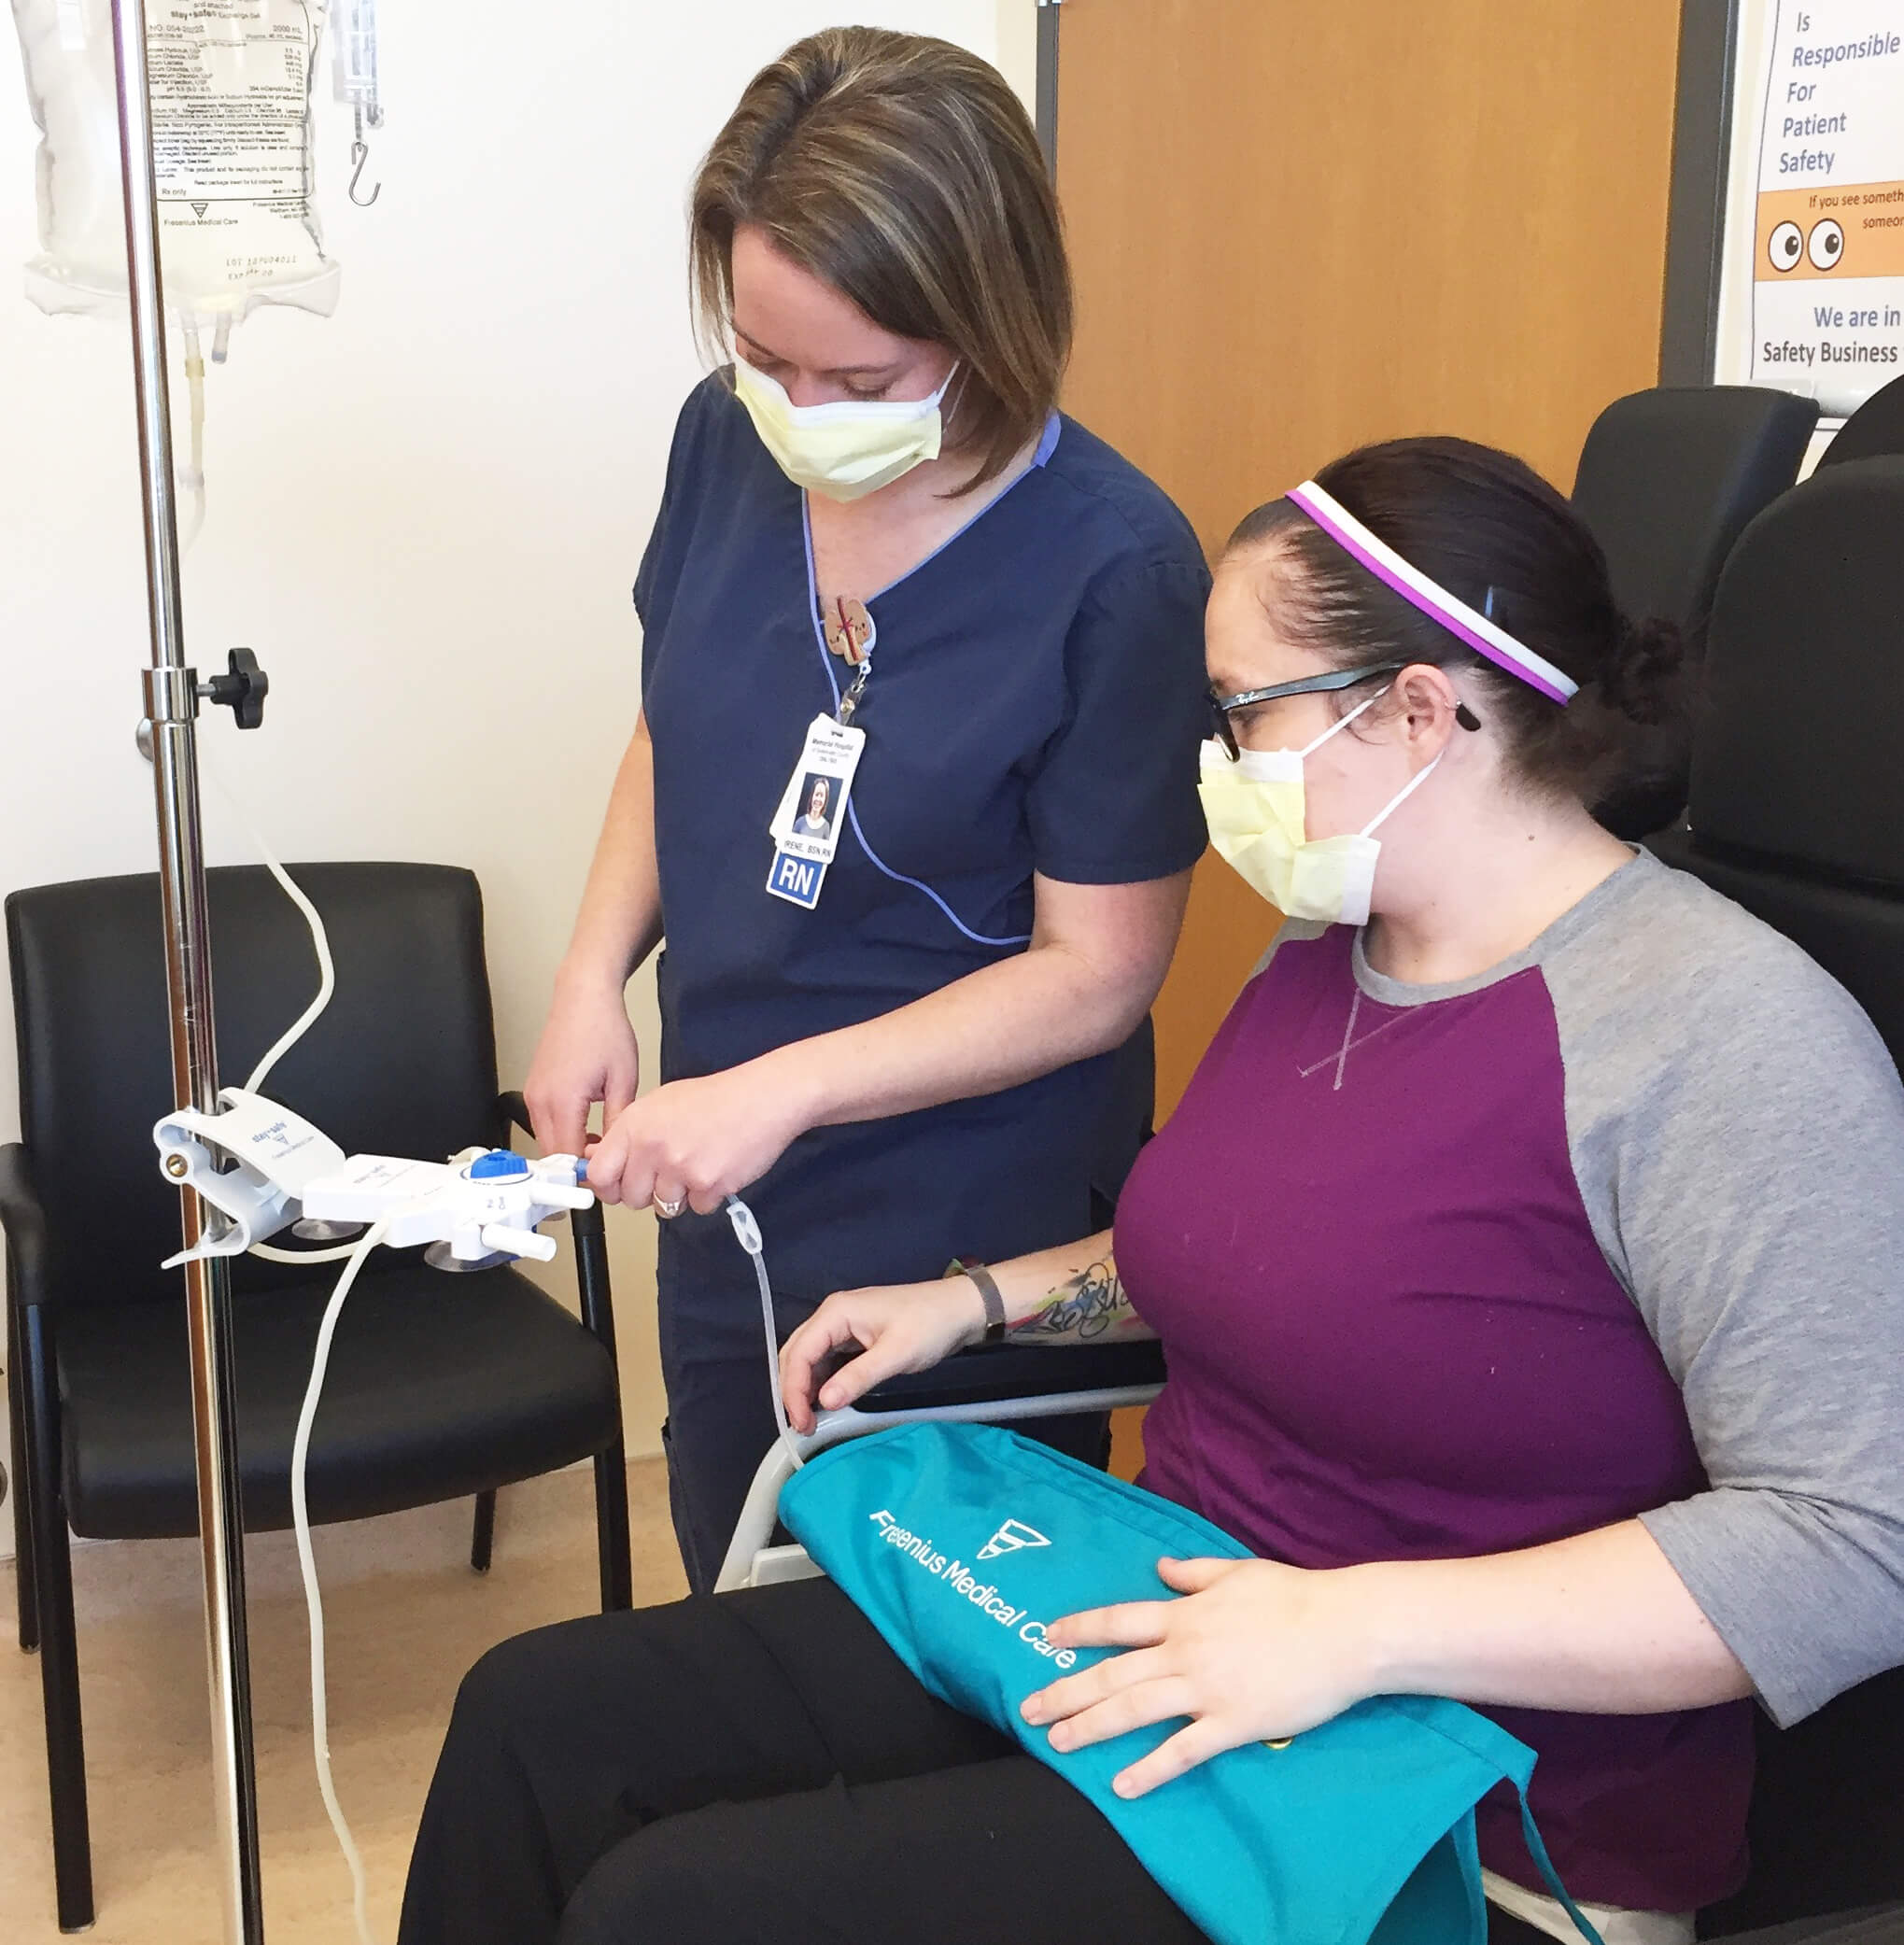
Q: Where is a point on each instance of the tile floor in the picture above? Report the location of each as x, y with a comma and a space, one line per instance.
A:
405, 1618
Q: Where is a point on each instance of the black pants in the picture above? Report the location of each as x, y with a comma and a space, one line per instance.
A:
754, 1769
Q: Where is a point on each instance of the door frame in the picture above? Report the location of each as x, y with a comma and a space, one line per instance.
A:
1045, 117
1696, 210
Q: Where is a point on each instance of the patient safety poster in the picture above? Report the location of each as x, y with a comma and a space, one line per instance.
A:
1812, 299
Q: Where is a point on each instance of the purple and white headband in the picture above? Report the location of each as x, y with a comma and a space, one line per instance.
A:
1484, 636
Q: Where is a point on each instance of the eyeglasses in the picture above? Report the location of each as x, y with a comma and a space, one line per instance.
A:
1222, 706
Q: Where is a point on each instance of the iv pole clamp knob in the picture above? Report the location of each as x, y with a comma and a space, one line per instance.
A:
242, 690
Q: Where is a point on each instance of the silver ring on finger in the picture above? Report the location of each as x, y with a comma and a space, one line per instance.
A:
668, 1210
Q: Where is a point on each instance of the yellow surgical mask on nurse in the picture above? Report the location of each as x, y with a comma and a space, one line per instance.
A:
845, 448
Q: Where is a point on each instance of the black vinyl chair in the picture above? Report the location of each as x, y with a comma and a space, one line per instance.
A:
1670, 477
1668, 480
1875, 429
1797, 812
440, 1386
1882, 1924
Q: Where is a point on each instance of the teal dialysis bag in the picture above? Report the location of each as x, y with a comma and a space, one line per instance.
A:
959, 1543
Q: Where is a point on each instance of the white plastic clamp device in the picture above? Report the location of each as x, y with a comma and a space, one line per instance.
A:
263, 1167
481, 1202
276, 1154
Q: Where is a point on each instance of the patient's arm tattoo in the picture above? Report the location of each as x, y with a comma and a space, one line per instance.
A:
1088, 1308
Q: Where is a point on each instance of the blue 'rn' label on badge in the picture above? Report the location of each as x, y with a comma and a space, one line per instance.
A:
796, 879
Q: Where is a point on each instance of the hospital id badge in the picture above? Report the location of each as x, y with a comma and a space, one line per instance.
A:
806, 828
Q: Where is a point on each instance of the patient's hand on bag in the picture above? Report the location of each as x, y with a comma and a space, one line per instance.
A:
1257, 1650
881, 1332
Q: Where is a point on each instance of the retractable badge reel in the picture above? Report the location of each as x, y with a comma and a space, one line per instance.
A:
807, 826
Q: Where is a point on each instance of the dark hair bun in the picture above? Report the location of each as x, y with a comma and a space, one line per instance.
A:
1641, 676
1482, 522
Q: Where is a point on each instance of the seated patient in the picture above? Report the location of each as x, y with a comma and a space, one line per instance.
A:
1526, 1253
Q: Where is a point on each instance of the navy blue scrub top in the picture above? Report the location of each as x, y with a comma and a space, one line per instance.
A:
1035, 701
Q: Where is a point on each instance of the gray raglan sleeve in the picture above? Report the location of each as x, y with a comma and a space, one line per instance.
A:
1738, 1133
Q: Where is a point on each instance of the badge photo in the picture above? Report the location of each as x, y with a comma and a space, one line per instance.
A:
806, 827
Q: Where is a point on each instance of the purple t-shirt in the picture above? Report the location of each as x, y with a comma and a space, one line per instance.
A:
1394, 1331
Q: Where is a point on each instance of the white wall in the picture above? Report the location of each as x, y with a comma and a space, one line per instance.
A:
426, 511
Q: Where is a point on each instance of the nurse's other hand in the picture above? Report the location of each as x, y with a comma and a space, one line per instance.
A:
586, 1054
698, 1141
886, 1330
1254, 1651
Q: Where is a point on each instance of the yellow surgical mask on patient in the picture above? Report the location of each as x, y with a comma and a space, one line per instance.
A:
844, 450
1254, 805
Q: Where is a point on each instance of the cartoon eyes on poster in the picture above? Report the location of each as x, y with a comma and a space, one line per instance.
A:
1813, 295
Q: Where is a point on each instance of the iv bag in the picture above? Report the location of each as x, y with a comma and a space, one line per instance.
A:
233, 148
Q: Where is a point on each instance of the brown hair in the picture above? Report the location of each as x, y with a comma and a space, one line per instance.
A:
903, 172
1497, 536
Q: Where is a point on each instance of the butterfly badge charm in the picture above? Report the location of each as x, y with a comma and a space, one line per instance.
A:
850, 631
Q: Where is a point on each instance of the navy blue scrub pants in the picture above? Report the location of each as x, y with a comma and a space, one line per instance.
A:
755, 1769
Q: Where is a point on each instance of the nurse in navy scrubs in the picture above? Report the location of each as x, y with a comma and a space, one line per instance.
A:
908, 1050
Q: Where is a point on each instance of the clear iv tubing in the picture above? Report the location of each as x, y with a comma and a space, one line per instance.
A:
327, 985
747, 1232
359, 1253
193, 477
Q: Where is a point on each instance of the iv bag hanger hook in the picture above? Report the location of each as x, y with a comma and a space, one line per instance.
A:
359, 159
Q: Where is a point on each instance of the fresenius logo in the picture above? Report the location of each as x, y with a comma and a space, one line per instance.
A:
1009, 1538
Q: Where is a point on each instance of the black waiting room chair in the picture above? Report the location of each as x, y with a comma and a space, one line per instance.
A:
1668, 480
1797, 812
1875, 429
440, 1386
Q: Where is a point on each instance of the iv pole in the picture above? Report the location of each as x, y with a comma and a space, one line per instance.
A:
171, 705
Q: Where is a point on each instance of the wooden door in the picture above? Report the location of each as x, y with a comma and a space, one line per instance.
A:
1296, 228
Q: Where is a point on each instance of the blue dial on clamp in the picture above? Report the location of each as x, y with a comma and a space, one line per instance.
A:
498, 1165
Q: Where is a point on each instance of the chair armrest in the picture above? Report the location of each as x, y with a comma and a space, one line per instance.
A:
588, 1227
989, 1374
515, 1112
24, 1218
761, 1510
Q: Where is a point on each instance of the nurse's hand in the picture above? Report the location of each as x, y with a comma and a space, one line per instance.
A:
698, 1141
884, 1330
1255, 1651
586, 1054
